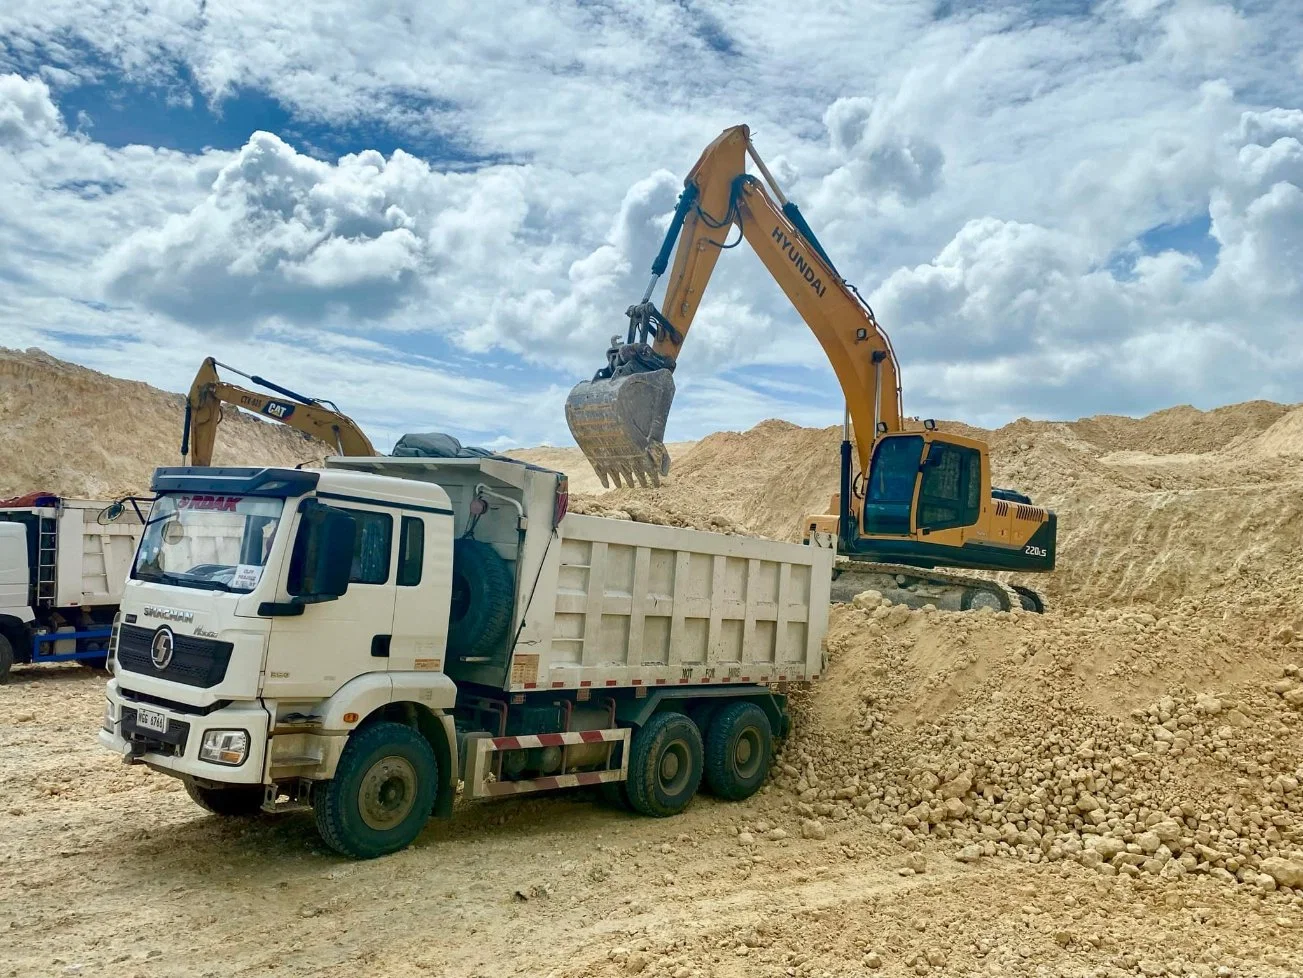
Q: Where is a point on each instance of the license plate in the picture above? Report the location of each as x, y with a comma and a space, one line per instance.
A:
149, 720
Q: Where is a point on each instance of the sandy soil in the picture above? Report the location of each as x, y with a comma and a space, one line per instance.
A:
1112, 789
111, 870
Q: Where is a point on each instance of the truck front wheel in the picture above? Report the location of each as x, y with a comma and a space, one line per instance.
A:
382, 792
664, 765
6, 656
231, 800
739, 743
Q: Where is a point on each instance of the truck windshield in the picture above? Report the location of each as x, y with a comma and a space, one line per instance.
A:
213, 542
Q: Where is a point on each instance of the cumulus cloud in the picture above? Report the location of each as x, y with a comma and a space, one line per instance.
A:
282, 234
880, 154
1031, 307
27, 114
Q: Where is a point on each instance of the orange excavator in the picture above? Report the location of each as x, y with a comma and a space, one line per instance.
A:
318, 418
914, 501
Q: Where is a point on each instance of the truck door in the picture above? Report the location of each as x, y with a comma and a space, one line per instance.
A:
423, 576
333, 641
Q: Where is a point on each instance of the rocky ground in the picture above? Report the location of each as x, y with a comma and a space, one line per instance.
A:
110, 870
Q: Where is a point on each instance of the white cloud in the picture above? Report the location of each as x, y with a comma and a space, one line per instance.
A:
27, 114
989, 177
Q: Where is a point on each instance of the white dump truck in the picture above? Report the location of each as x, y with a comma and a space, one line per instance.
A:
358, 639
62, 566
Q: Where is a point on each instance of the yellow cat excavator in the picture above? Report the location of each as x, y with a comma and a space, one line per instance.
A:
913, 500
320, 419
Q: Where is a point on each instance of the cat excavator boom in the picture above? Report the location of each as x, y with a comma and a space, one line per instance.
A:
913, 500
318, 418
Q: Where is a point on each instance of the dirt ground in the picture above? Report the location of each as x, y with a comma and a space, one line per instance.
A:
1112, 789
108, 869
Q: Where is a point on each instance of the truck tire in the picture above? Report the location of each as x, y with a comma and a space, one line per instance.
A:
6, 656
664, 765
382, 793
231, 801
739, 745
482, 593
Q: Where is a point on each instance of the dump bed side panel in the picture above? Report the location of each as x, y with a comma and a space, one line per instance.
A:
620, 604
94, 558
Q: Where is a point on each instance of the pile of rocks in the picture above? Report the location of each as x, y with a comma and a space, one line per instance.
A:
1196, 783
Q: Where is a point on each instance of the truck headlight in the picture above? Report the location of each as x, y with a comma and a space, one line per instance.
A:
225, 747
107, 722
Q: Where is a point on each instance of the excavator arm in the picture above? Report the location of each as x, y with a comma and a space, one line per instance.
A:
618, 418
320, 419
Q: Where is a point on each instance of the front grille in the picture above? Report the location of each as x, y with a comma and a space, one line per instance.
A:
149, 699
195, 661
171, 744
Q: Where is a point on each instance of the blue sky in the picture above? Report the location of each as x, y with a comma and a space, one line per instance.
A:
436, 218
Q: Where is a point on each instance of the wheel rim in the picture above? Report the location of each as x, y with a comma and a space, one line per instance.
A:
747, 753
675, 767
388, 793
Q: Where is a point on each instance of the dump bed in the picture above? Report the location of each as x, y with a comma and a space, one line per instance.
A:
604, 603
75, 557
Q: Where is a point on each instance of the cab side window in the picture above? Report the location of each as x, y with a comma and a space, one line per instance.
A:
411, 551
372, 548
952, 486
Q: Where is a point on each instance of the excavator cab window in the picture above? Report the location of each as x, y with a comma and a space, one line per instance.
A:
890, 493
952, 485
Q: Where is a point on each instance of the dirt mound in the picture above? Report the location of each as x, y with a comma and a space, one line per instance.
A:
1182, 502
76, 432
1121, 741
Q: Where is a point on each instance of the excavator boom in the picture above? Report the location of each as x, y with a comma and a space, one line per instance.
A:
618, 417
320, 419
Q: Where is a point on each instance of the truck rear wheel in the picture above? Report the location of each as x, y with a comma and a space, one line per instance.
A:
739, 744
382, 792
482, 591
231, 801
665, 765
6, 656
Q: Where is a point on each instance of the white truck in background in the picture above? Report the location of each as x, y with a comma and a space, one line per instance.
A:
366, 635
62, 566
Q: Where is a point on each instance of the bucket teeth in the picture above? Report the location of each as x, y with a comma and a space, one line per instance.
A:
619, 424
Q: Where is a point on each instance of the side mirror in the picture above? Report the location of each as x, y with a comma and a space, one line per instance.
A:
323, 554
112, 512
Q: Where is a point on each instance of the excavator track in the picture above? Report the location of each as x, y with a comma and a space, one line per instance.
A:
919, 586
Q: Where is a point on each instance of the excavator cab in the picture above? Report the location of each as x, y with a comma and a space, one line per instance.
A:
927, 500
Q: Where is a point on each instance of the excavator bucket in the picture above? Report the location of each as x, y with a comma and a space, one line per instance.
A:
619, 424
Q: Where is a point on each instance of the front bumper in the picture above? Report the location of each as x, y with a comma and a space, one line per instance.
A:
177, 750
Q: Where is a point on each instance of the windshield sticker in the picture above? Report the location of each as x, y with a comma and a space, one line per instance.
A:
223, 504
246, 576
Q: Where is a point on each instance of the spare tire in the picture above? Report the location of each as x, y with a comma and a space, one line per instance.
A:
482, 593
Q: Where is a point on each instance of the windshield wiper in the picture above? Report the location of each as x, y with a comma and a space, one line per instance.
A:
203, 583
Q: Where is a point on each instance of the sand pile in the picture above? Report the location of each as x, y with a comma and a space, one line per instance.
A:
73, 431
1181, 502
